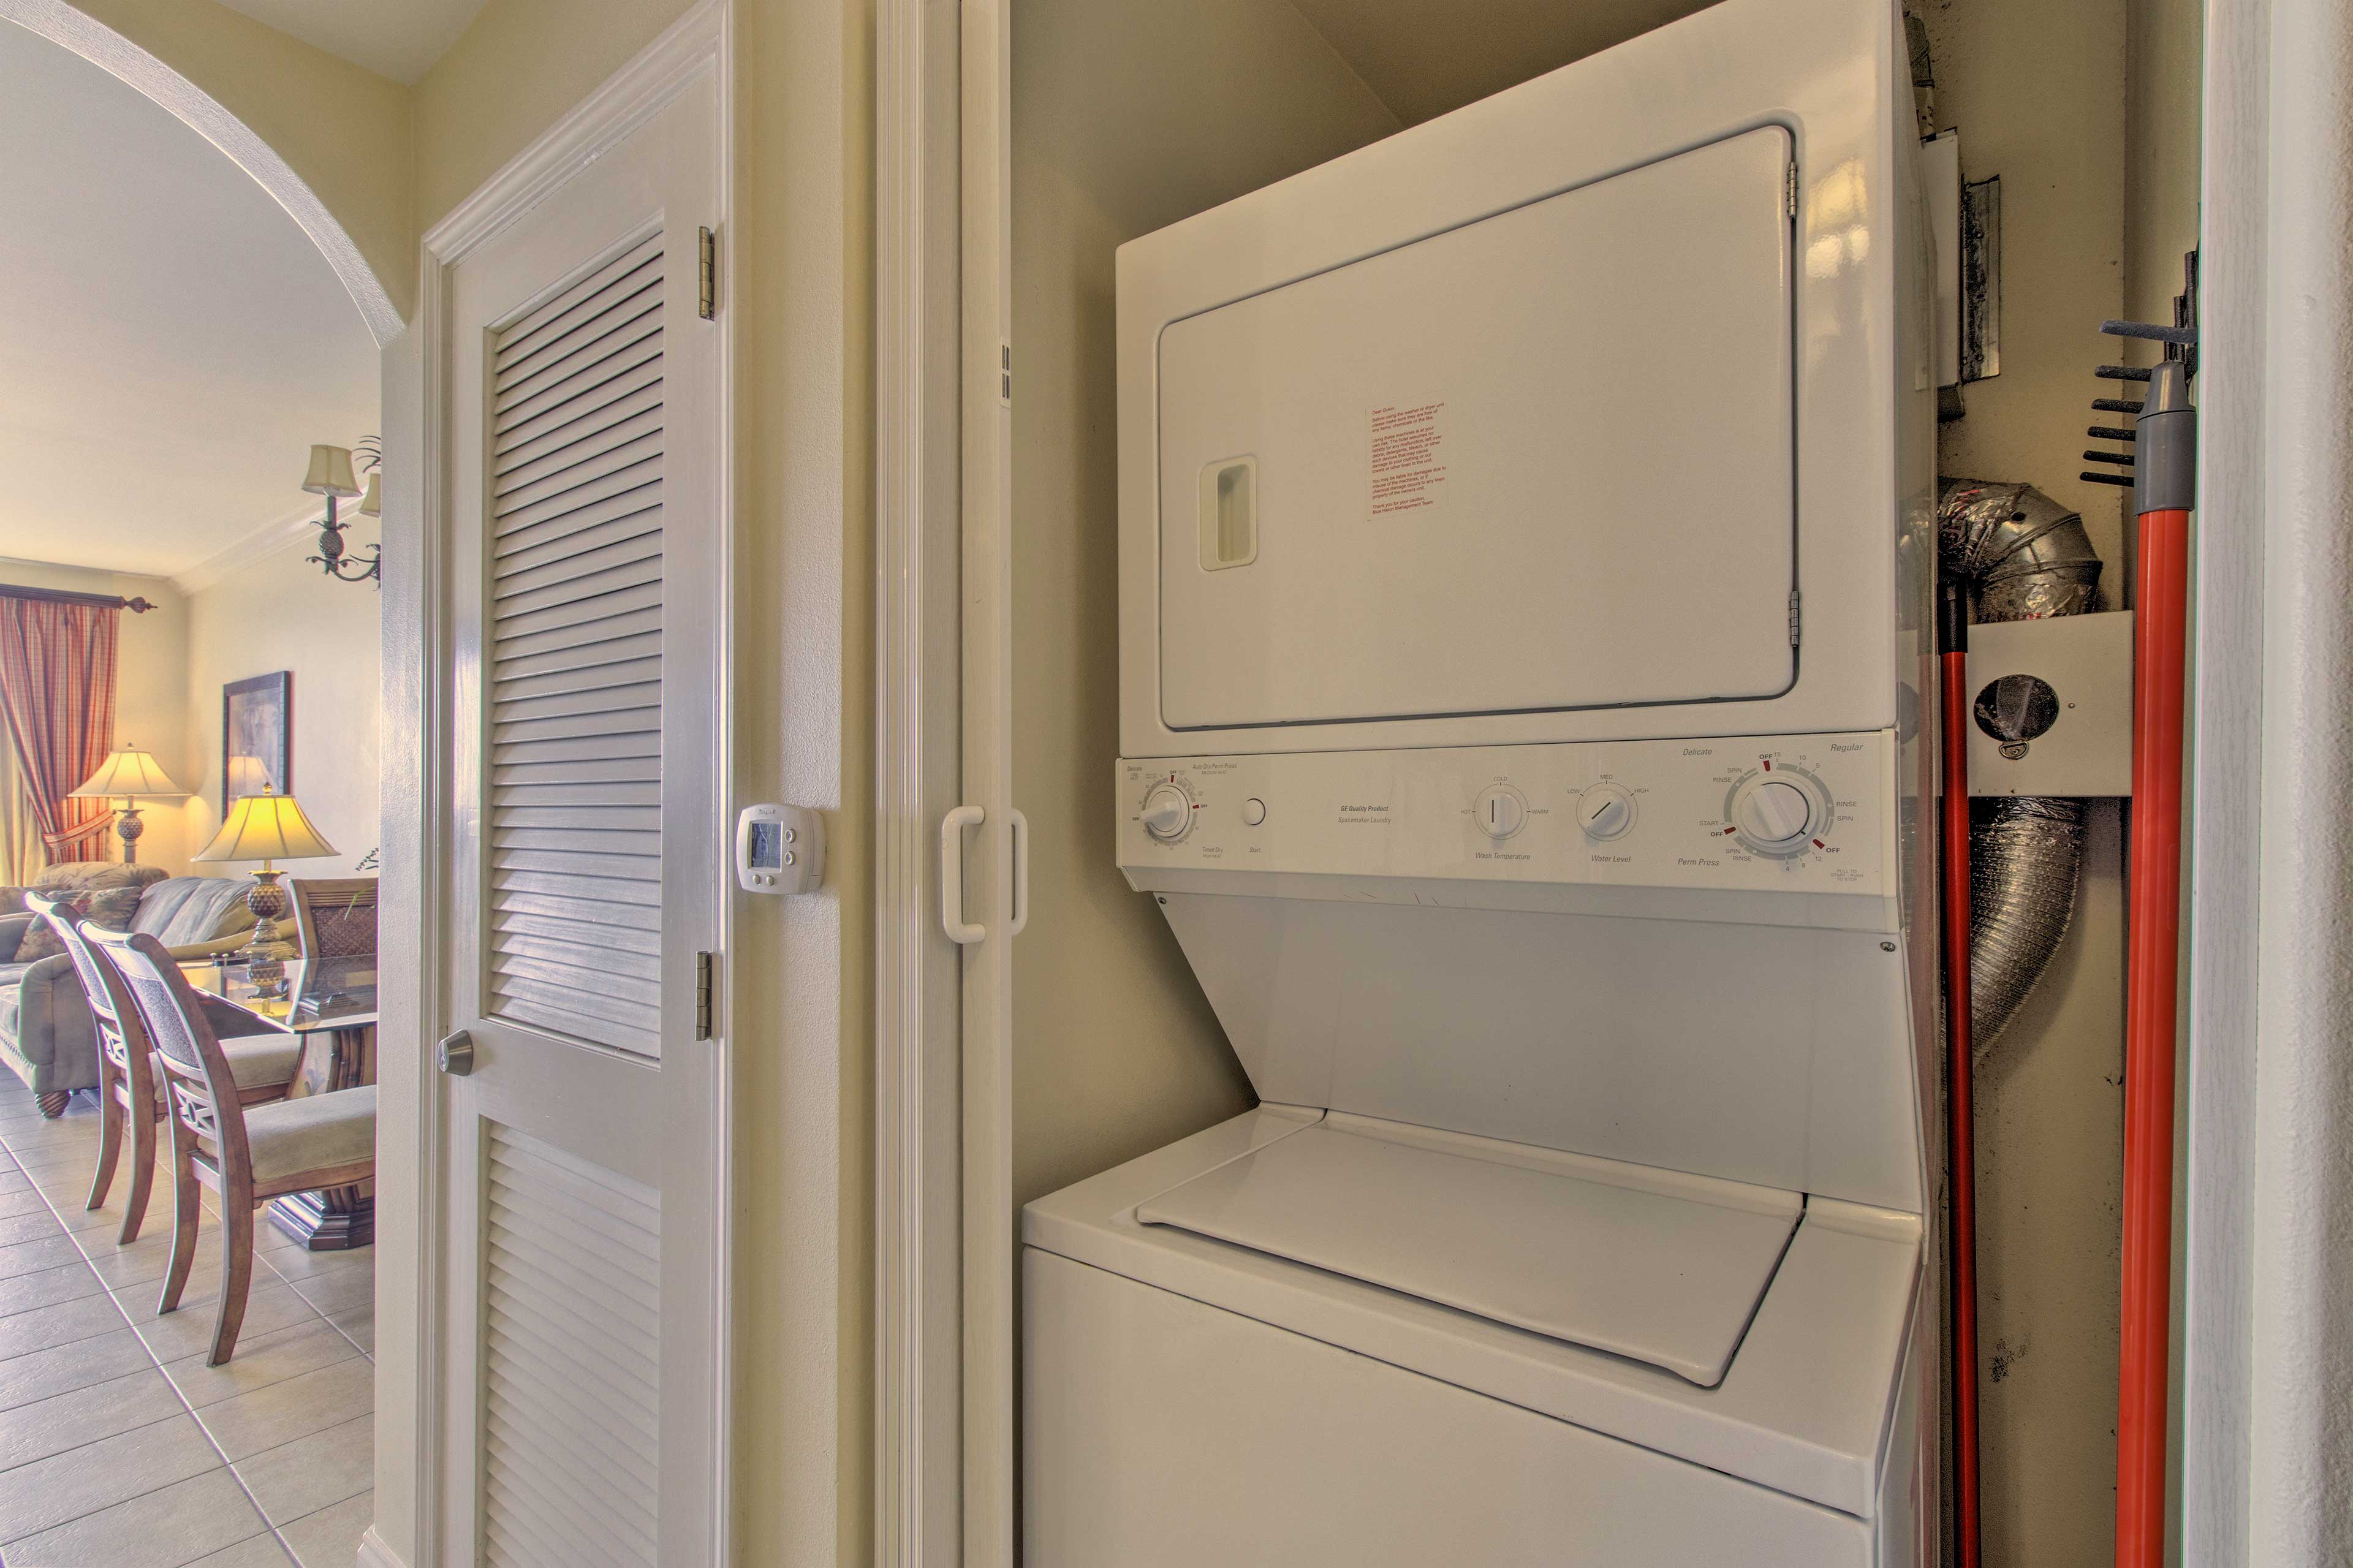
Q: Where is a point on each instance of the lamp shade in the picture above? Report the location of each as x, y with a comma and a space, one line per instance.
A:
248, 776
266, 828
330, 472
129, 772
372, 503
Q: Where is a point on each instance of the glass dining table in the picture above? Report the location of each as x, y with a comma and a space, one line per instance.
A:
330, 1004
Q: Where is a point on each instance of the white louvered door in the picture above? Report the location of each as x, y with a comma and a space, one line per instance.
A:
583, 1319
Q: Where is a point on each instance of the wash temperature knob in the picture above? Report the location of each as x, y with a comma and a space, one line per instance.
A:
1167, 812
1773, 812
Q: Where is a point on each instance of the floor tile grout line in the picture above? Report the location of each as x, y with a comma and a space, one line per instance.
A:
269, 1528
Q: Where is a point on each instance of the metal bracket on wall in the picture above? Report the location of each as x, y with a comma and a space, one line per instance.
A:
1981, 280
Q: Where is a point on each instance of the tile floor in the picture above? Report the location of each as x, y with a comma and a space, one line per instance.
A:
119, 1447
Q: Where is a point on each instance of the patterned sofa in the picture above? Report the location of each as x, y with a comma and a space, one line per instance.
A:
45, 1033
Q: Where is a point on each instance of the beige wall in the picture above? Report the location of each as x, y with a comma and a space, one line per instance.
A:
280, 613
2087, 112
151, 700
1125, 118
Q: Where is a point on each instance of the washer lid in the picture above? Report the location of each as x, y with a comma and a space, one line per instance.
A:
1653, 1265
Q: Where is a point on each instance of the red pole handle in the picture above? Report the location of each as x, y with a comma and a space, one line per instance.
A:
2161, 616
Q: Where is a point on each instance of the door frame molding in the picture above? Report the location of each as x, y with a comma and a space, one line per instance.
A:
918, 1216
418, 729
945, 1239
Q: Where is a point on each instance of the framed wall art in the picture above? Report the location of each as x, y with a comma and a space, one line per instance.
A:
257, 736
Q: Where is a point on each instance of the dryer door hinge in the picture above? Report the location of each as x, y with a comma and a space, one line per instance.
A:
706, 299
1793, 617
1005, 374
1789, 190
703, 967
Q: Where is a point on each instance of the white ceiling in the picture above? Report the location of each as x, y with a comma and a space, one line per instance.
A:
1425, 57
396, 38
172, 343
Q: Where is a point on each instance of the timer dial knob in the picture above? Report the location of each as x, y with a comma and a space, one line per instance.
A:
1605, 812
1167, 811
1773, 813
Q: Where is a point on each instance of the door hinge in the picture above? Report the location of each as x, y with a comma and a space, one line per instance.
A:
1793, 617
1005, 374
1789, 190
703, 967
706, 299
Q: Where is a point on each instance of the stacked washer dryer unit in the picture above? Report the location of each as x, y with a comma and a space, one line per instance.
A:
1525, 529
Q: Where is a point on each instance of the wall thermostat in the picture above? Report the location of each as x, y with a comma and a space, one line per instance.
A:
779, 849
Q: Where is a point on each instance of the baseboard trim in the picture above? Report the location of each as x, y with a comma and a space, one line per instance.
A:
374, 1554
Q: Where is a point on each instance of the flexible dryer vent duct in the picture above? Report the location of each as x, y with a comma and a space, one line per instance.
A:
2025, 557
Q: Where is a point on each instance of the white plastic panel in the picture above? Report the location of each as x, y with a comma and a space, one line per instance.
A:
1426, 814
1762, 1054
1540, 461
1640, 1263
1161, 1433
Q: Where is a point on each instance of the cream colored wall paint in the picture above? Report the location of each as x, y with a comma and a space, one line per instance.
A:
1125, 118
345, 131
516, 70
797, 295
150, 708
280, 613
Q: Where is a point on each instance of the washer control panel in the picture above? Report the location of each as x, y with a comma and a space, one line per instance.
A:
1791, 812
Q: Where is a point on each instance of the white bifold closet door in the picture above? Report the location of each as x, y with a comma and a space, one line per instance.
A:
578, 1208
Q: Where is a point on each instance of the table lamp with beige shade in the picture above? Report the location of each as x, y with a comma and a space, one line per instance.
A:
129, 775
267, 827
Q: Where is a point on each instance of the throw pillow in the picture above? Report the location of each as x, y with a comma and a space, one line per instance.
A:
108, 909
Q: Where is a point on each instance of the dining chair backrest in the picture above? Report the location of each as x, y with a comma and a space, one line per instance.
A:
203, 1091
120, 1032
335, 917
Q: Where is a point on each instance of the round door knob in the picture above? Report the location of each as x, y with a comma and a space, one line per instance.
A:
1167, 812
1605, 811
456, 1055
1502, 811
1772, 812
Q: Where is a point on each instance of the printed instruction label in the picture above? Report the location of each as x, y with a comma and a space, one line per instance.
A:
1408, 457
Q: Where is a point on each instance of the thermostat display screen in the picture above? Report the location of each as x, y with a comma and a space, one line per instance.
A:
767, 848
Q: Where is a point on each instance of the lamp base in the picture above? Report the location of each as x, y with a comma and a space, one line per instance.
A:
265, 953
128, 827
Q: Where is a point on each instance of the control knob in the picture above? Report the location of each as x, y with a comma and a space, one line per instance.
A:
1167, 811
1605, 812
1773, 813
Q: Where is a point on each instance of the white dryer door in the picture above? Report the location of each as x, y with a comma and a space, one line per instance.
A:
1653, 1265
1540, 461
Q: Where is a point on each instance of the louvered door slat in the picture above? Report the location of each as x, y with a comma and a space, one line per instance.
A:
571, 1420
631, 382
572, 784
599, 283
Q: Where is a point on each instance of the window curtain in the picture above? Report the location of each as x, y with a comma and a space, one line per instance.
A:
56, 695
21, 856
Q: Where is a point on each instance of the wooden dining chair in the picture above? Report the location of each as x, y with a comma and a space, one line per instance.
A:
335, 917
128, 1099
247, 1154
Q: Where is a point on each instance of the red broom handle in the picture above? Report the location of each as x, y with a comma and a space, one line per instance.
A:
2162, 612
1961, 1133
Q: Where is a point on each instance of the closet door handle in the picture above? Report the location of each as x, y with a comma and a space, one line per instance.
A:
1020, 875
455, 1055
961, 932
